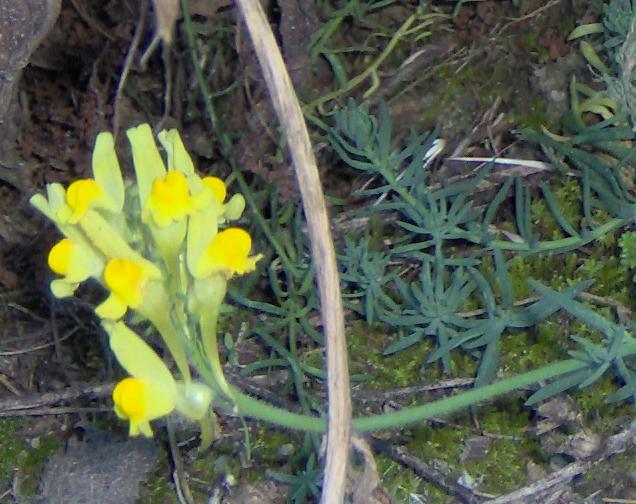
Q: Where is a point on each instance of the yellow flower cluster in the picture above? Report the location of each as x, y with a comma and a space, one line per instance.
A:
185, 256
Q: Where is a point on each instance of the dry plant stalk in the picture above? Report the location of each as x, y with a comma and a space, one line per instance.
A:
291, 117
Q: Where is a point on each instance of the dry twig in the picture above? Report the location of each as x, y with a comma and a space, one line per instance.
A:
323, 253
537, 491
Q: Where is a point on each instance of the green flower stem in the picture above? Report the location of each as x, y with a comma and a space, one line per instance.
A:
465, 399
163, 323
226, 143
210, 346
209, 293
257, 409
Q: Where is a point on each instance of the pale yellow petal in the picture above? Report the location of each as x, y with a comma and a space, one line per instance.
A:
234, 208
227, 253
106, 169
56, 195
140, 402
141, 428
138, 359
62, 288
178, 157
202, 228
113, 308
147, 160
169, 240
111, 244
41, 203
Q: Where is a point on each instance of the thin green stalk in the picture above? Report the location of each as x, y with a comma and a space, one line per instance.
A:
163, 323
465, 399
254, 408
207, 325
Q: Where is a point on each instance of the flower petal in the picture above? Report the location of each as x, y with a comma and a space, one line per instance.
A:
76, 261
113, 308
140, 401
138, 359
169, 199
217, 186
80, 195
111, 244
62, 288
228, 252
202, 227
234, 208
106, 169
125, 279
147, 160
178, 157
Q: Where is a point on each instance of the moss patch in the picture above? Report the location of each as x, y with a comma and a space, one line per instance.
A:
23, 459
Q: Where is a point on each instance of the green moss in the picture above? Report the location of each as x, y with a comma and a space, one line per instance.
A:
556, 271
158, 489
438, 441
534, 115
32, 461
524, 351
591, 400
10, 447
611, 278
28, 459
268, 442
401, 369
402, 483
504, 468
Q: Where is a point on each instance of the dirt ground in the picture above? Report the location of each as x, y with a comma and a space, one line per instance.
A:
494, 67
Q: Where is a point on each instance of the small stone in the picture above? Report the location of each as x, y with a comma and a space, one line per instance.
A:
582, 445
475, 449
286, 450
535, 472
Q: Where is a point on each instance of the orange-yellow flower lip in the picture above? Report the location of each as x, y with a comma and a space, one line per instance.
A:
170, 198
217, 186
229, 252
60, 256
80, 195
125, 278
128, 396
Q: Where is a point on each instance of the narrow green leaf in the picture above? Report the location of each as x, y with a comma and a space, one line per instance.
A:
404, 343
558, 386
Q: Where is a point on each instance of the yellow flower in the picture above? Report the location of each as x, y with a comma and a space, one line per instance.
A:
227, 253
139, 402
105, 191
217, 186
170, 199
80, 195
126, 280
75, 262
60, 257
150, 391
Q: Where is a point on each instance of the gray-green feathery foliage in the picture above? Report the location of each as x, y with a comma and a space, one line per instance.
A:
435, 222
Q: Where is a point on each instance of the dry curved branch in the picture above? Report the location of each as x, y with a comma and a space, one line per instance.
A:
291, 117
